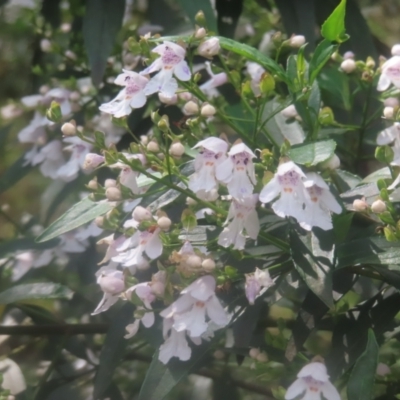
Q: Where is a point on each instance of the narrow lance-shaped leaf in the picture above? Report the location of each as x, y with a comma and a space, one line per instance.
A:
362, 378
31, 291
333, 28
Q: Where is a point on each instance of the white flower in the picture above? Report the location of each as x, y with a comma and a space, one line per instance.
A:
131, 252
317, 211
297, 41
389, 135
242, 216
128, 177
131, 96
145, 293
288, 183
78, 148
197, 301
92, 160
254, 282
113, 245
112, 284
237, 171
171, 62
256, 72
312, 381
209, 87
35, 132
390, 74
212, 153
209, 47
290, 112
30, 259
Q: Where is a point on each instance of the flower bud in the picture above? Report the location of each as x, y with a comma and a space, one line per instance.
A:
325, 116
141, 214
219, 355
267, 83
110, 183
209, 48
164, 223
200, 33
384, 154
74, 96
92, 160
99, 221
254, 352
191, 108
185, 96
113, 194
389, 234
163, 123
262, 357
193, 261
396, 50
290, 112
177, 149
200, 18
391, 102
68, 129
378, 206
208, 110
383, 369
168, 100
65, 27
348, 55
388, 112
111, 283
93, 185
331, 163
54, 112
297, 41
336, 57
208, 265
348, 66
370, 62
153, 146
360, 205
190, 201
45, 45
70, 54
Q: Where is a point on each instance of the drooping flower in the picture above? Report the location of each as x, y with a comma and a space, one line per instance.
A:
111, 282
242, 217
288, 184
212, 153
131, 96
26, 260
254, 282
132, 251
209, 87
317, 211
389, 135
171, 62
237, 171
390, 74
256, 72
313, 380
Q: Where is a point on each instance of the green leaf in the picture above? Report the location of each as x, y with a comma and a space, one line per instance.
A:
321, 56
333, 29
191, 8
312, 153
13, 174
112, 350
79, 214
345, 180
362, 378
11, 246
312, 255
35, 291
161, 379
101, 24
370, 250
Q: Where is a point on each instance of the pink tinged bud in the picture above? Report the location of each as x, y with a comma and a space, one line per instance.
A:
209, 48
193, 261
186, 96
262, 357
177, 149
92, 161
383, 369
396, 50
378, 206
168, 100
164, 223
297, 41
110, 183
191, 108
113, 194
254, 352
153, 146
208, 110
200, 33
208, 265
45, 45
332, 163
93, 184
348, 66
391, 102
360, 205
158, 289
70, 54
65, 28
68, 129
290, 112
74, 96
99, 221
111, 284
141, 214
348, 55
388, 112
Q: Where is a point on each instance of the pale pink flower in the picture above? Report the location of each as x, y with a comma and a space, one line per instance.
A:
237, 171
256, 72
131, 96
242, 217
257, 283
390, 74
288, 184
312, 381
171, 62
209, 87
212, 151
389, 135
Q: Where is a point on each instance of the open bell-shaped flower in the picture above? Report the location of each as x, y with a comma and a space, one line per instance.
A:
390, 73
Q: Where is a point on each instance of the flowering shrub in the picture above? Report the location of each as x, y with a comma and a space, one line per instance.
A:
243, 226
